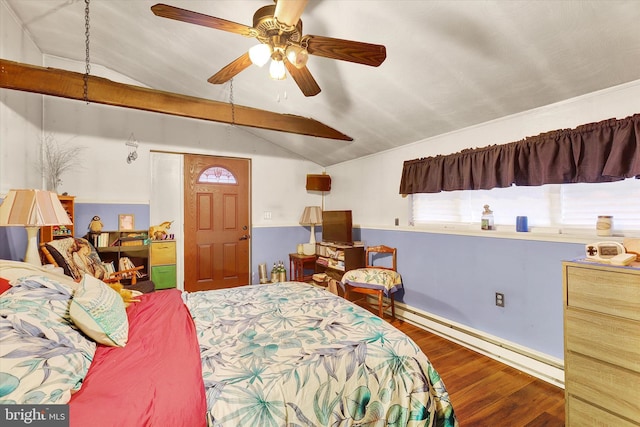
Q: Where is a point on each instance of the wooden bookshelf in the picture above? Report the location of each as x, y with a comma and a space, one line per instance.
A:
113, 245
49, 233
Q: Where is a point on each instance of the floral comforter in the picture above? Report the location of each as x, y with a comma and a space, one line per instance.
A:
289, 354
43, 356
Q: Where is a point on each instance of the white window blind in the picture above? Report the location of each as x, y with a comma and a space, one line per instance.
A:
565, 205
582, 203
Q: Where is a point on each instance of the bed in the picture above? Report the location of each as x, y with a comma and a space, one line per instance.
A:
263, 355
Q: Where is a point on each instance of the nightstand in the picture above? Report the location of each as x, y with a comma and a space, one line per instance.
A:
297, 265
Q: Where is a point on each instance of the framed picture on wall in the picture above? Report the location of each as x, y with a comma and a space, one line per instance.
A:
125, 222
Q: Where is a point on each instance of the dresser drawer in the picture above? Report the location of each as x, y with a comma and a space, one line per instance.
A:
604, 385
163, 253
612, 339
164, 276
583, 414
604, 291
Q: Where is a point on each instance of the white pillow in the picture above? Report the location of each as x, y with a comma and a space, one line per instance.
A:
99, 312
14, 270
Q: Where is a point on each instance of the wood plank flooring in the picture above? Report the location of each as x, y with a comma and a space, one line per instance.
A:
485, 392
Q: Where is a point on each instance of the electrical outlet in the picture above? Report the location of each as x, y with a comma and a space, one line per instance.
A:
499, 299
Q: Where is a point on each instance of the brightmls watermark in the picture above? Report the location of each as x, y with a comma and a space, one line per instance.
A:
34, 415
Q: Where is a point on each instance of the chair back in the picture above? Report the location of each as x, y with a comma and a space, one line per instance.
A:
76, 256
373, 251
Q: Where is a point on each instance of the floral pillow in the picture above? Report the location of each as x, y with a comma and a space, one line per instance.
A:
99, 312
43, 356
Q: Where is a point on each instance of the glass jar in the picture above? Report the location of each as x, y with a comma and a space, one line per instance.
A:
486, 221
604, 225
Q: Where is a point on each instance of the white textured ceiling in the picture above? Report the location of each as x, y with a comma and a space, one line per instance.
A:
450, 64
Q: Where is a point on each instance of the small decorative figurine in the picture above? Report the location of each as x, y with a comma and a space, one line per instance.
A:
95, 226
159, 232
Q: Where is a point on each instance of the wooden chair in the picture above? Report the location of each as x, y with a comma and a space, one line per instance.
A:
76, 256
375, 280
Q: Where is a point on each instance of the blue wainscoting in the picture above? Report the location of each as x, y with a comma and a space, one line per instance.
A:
273, 244
13, 243
108, 213
456, 277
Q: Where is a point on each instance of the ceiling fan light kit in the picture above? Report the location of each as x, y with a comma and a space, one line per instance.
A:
297, 55
278, 27
260, 54
277, 71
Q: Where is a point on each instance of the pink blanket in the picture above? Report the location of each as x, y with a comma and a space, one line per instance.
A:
155, 380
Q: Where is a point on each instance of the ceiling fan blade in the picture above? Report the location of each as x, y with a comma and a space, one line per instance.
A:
346, 50
231, 70
171, 12
303, 79
289, 11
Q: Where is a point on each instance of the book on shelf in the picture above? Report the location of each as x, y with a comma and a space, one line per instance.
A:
109, 267
126, 264
99, 240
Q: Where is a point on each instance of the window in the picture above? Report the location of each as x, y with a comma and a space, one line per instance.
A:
561, 206
217, 175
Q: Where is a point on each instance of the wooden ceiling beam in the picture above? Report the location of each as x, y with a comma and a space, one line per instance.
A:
69, 84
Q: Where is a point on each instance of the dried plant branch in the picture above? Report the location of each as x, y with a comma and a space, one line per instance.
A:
58, 159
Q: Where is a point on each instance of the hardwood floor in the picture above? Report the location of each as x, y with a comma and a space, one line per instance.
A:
485, 392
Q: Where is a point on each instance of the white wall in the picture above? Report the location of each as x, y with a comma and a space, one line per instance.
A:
278, 176
20, 114
370, 185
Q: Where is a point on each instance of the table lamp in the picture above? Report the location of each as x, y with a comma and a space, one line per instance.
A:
32, 209
311, 216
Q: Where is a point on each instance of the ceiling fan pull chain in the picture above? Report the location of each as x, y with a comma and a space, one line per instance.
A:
87, 63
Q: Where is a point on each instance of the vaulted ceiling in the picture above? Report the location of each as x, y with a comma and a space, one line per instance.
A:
449, 65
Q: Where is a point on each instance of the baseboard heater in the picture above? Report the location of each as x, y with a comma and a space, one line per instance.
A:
539, 365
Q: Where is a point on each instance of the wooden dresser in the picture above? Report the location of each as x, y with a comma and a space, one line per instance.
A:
601, 344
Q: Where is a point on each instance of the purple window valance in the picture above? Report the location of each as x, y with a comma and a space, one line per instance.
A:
596, 152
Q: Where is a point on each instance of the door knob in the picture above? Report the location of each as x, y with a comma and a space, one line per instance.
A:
245, 237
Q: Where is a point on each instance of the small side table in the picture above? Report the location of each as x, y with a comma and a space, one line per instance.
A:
297, 265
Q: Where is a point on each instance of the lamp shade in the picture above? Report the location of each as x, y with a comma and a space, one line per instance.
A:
312, 215
32, 208
260, 54
297, 55
277, 70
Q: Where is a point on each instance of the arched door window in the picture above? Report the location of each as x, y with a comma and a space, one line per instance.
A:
217, 175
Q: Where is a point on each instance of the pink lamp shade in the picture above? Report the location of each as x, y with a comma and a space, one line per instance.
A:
32, 209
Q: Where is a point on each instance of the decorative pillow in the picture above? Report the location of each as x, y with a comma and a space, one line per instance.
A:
388, 281
77, 256
4, 285
99, 312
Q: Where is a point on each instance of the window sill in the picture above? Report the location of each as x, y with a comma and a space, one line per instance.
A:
546, 234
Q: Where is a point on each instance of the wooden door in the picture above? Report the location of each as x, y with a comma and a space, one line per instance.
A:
217, 222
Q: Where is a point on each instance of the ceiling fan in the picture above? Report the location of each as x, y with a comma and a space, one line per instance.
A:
278, 28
